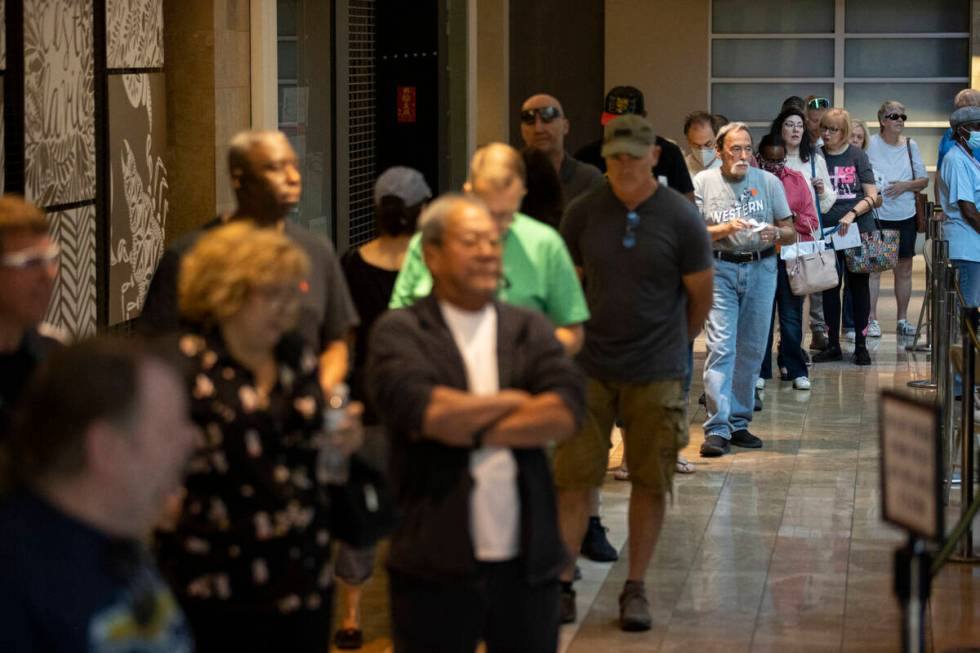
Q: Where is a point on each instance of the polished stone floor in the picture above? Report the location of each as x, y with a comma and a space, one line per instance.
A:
779, 549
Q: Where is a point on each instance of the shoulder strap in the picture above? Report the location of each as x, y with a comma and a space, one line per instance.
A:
908, 148
816, 198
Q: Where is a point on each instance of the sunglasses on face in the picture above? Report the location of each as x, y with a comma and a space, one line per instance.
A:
547, 115
632, 222
818, 103
896, 116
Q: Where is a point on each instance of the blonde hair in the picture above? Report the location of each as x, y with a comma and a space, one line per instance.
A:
864, 130
19, 215
839, 118
497, 162
887, 106
227, 263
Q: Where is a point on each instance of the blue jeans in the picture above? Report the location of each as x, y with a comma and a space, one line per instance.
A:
969, 280
735, 334
790, 330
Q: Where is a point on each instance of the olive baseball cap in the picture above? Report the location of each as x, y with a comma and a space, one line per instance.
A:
628, 134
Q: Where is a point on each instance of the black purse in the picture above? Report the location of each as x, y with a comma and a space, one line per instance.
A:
362, 511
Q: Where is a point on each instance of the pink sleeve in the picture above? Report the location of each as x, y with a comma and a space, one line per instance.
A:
801, 203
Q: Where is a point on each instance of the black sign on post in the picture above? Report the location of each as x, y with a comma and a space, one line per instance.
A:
911, 465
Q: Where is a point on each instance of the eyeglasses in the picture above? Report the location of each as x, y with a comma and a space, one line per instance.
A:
32, 259
818, 103
738, 150
632, 222
830, 130
896, 116
547, 115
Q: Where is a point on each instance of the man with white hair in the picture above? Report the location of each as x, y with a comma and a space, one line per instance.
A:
746, 211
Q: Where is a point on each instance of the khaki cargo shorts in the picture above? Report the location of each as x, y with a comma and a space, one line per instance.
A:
655, 428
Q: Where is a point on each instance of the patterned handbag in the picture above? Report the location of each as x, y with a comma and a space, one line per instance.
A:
878, 251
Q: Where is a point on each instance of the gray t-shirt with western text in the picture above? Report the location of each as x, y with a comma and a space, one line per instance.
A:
759, 196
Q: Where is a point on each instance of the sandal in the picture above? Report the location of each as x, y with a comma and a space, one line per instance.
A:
684, 466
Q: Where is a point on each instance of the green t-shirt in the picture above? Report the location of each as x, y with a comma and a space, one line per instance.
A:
538, 273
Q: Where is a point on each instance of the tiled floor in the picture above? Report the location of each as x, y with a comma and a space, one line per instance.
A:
781, 549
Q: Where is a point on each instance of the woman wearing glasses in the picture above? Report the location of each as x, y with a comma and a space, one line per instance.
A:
803, 157
853, 179
900, 174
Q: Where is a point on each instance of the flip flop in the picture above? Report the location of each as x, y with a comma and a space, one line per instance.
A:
684, 466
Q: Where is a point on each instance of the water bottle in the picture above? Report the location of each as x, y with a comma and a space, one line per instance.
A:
333, 466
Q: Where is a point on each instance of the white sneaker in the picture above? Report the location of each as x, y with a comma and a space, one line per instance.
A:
760, 383
905, 328
874, 329
849, 335
801, 383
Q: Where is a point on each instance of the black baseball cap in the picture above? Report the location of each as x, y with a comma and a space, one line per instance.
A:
622, 100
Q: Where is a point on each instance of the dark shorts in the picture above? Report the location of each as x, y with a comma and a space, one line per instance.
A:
907, 235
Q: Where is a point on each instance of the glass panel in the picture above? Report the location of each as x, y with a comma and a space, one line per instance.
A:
772, 16
760, 102
304, 93
286, 57
877, 16
772, 58
286, 17
906, 58
927, 140
924, 102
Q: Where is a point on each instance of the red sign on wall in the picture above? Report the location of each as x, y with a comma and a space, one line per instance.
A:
406, 103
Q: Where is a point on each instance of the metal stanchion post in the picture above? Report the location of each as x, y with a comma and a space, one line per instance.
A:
937, 310
969, 316
934, 231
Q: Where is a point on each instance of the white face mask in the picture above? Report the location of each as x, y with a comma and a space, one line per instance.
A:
708, 155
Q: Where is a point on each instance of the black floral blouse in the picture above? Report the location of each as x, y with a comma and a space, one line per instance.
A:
252, 531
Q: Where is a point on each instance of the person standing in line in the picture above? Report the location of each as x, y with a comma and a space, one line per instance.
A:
265, 177
746, 212
791, 361
700, 133
806, 159
900, 174
960, 186
853, 179
99, 447
544, 128
400, 194
28, 270
472, 390
644, 256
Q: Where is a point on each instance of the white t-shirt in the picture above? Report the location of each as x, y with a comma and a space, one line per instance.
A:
891, 164
495, 504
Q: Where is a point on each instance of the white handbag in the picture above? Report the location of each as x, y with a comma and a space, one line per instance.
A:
813, 272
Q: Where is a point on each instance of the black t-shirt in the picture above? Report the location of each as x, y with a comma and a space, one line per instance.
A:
16, 369
638, 328
326, 313
370, 288
670, 166
848, 170
68, 588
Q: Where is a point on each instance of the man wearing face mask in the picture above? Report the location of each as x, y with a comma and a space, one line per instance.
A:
960, 195
746, 212
700, 133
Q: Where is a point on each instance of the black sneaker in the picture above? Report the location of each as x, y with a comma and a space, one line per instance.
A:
758, 400
828, 355
566, 606
742, 438
703, 400
714, 446
596, 546
861, 356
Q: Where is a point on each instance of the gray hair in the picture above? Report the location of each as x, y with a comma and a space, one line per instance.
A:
432, 222
728, 129
967, 97
886, 105
242, 143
